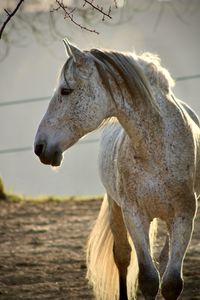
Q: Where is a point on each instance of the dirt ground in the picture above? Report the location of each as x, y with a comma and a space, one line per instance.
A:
42, 251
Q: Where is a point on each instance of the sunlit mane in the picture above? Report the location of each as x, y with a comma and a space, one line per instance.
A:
138, 73
157, 75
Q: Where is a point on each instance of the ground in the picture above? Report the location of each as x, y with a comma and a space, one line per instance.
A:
42, 251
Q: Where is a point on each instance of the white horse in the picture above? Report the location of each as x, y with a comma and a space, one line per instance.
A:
149, 165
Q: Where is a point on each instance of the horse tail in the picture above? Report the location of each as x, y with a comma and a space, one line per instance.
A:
102, 272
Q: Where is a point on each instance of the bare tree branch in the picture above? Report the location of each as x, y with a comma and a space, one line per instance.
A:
23, 20
9, 16
69, 12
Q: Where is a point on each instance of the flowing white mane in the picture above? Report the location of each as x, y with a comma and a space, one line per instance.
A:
139, 73
157, 75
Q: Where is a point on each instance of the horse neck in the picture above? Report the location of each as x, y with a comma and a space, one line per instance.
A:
141, 124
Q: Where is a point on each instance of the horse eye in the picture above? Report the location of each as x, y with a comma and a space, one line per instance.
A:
65, 92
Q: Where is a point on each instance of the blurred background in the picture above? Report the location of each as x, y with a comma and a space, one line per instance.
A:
32, 53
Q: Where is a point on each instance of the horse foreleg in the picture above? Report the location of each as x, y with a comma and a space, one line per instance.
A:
164, 256
138, 228
180, 235
121, 249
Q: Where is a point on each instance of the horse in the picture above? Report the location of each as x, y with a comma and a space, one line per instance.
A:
149, 164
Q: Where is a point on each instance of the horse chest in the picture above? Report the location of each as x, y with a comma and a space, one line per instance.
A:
148, 194
154, 191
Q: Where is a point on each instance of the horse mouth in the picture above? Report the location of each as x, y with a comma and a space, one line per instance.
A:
53, 157
54, 160
50, 155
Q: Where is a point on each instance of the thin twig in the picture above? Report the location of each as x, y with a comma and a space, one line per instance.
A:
9, 16
69, 14
96, 7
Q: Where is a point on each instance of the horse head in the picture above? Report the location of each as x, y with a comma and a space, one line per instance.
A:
78, 106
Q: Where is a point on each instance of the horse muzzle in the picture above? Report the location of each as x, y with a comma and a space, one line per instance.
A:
48, 155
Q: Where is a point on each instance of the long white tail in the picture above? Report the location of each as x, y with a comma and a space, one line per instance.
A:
102, 272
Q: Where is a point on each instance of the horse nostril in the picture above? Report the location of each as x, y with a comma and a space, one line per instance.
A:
39, 149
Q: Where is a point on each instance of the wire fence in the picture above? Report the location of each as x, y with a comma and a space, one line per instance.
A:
24, 101
25, 149
39, 99
183, 78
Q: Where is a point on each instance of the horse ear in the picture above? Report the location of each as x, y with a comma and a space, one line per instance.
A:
73, 51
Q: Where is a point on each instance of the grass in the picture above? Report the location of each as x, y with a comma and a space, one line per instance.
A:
2, 190
17, 197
